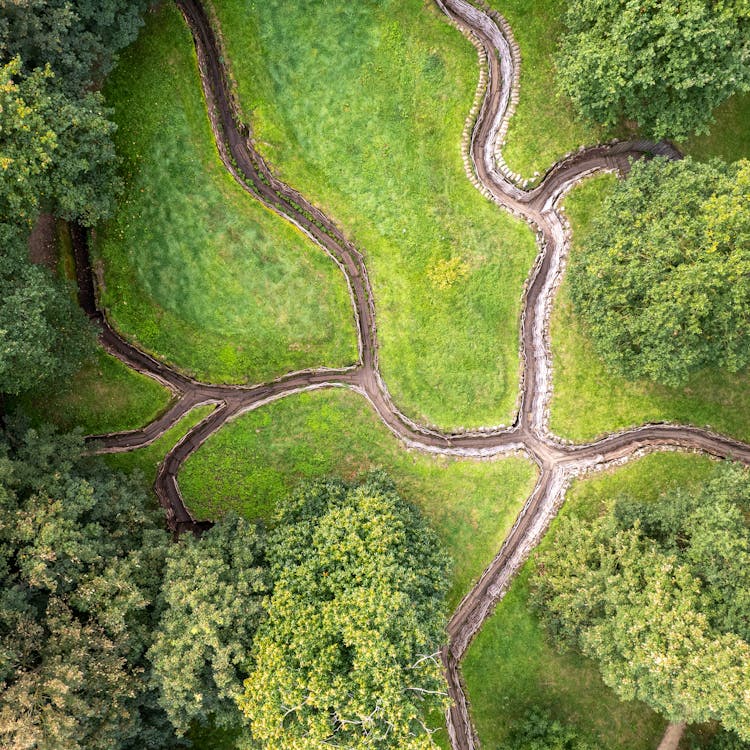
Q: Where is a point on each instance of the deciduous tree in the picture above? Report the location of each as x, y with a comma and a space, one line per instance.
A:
642, 590
78, 39
348, 655
663, 280
666, 65
80, 561
44, 336
213, 589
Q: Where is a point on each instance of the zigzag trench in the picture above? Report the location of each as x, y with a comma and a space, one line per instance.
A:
529, 434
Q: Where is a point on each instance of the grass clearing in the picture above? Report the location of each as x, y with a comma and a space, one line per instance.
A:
103, 396
511, 667
729, 138
361, 107
196, 270
590, 400
254, 461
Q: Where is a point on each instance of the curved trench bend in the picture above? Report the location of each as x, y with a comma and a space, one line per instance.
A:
558, 462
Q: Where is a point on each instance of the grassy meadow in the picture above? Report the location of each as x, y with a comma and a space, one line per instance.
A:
196, 270
512, 667
361, 107
103, 396
729, 138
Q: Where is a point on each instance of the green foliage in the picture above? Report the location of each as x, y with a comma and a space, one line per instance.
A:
539, 731
79, 39
662, 280
55, 139
80, 562
212, 590
591, 399
44, 336
658, 594
666, 65
349, 650
55, 149
724, 740
26, 139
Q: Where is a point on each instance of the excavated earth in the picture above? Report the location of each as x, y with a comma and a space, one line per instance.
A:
558, 461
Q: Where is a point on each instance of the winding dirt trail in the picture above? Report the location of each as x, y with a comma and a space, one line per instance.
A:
558, 462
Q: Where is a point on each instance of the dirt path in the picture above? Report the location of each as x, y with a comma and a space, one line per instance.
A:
672, 736
558, 462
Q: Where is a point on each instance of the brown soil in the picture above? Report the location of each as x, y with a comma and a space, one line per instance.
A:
43, 241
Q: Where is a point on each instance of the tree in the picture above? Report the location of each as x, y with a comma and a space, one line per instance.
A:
348, 654
642, 590
213, 589
724, 740
80, 562
662, 280
26, 139
55, 150
666, 65
44, 336
78, 39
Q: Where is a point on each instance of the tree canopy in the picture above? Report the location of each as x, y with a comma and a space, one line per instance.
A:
80, 561
56, 155
348, 653
666, 65
662, 281
43, 333
213, 590
658, 594
539, 731
78, 39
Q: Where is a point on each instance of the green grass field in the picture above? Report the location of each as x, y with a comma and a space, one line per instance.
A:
590, 400
257, 459
511, 667
729, 138
196, 270
103, 396
361, 106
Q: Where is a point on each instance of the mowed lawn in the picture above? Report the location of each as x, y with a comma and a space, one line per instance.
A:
361, 106
589, 399
195, 269
254, 461
512, 667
